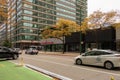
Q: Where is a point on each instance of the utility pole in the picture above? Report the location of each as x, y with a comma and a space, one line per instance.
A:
80, 31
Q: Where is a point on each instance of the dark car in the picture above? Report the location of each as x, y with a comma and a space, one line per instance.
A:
31, 51
8, 53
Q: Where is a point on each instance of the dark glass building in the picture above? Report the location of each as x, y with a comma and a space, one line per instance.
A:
94, 39
101, 38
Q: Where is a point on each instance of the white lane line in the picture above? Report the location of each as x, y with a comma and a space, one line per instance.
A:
76, 67
51, 57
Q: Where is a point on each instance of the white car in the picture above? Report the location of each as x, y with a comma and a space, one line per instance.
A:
106, 58
31, 51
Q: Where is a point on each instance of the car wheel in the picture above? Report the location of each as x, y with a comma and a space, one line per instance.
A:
15, 56
108, 65
79, 62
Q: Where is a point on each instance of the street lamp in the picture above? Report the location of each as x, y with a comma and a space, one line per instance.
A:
80, 31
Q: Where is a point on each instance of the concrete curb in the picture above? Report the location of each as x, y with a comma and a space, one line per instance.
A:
47, 72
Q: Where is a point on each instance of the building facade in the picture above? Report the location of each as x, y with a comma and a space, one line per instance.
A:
118, 38
27, 17
3, 21
101, 39
3, 33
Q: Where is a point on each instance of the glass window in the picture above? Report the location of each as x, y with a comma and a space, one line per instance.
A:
91, 53
30, 0
28, 12
27, 5
27, 24
27, 18
104, 53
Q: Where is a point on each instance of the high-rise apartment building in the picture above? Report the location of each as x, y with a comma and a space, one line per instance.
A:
3, 33
27, 17
3, 21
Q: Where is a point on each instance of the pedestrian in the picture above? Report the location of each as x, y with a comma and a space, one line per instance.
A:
89, 49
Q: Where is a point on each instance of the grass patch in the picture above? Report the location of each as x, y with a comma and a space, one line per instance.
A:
9, 71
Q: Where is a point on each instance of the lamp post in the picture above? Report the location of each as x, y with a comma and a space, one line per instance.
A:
39, 34
80, 31
40, 37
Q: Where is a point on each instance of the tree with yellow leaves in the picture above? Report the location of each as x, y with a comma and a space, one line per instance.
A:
3, 20
3, 10
99, 19
62, 28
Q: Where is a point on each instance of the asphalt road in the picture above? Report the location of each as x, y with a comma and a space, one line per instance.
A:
64, 66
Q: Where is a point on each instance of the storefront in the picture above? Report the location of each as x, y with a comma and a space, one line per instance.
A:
101, 39
118, 38
75, 42
52, 44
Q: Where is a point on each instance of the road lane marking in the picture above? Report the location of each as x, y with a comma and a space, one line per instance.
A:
76, 67
51, 57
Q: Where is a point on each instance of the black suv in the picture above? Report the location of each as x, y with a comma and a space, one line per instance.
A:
8, 53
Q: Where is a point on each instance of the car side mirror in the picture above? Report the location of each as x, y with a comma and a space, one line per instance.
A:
83, 55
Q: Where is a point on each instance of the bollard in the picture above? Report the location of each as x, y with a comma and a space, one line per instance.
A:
21, 62
112, 78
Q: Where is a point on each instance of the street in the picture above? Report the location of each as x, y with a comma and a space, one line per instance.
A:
64, 66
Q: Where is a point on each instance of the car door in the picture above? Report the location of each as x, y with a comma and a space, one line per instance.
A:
1, 53
90, 58
98, 58
6, 52
101, 57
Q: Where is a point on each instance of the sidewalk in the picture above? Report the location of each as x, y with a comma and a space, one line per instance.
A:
10, 71
72, 54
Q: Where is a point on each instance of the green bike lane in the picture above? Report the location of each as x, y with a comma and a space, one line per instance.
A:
11, 71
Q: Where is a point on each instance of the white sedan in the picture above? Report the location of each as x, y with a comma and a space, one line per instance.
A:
106, 58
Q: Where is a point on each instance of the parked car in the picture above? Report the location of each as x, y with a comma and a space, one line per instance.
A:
18, 50
8, 53
106, 58
31, 51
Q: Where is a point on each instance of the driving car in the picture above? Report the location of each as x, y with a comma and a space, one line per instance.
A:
8, 53
31, 51
105, 58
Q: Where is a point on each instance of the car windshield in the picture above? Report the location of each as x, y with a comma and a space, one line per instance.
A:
100, 52
11, 49
7, 49
32, 48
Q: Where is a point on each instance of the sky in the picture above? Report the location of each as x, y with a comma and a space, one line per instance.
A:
103, 5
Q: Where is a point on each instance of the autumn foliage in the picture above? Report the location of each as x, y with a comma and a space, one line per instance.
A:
62, 28
3, 10
99, 19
